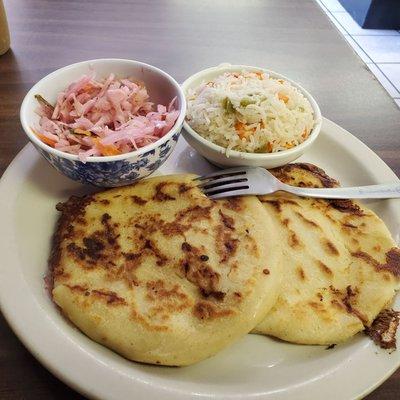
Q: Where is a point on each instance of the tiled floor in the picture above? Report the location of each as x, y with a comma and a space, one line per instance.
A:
379, 49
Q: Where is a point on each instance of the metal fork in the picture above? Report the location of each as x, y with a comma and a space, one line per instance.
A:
242, 181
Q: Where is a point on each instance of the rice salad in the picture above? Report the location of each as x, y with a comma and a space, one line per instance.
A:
250, 112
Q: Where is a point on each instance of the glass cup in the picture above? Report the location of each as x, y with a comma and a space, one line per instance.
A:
4, 32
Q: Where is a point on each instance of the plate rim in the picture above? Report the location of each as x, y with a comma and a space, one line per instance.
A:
80, 384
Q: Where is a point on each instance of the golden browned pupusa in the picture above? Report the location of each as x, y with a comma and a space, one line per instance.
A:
340, 265
160, 273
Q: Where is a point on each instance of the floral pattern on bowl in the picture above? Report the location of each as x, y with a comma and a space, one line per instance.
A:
113, 173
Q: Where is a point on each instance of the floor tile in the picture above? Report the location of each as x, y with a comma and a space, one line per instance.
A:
361, 53
353, 28
380, 48
372, 46
333, 5
384, 81
392, 72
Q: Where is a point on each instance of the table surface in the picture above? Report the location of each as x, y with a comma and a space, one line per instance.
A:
294, 38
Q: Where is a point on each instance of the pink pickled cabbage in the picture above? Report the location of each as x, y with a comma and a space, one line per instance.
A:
103, 117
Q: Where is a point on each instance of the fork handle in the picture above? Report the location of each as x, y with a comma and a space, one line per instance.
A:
386, 191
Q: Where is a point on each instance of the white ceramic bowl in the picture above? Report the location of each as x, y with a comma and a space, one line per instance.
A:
216, 154
107, 171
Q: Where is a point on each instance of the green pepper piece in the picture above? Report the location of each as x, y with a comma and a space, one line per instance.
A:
227, 105
245, 102
43, 101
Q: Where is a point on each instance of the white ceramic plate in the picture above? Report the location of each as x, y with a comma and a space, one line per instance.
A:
256, 367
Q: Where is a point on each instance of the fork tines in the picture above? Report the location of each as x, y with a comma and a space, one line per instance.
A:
228, 180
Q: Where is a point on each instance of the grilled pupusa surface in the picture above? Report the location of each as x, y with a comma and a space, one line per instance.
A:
340, 265
160, 273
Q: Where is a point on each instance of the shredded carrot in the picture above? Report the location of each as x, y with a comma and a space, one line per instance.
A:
46, 140
34, 131
43, 138
242, 130
260, 75
283, 97
269, 147
106, 150
89, 88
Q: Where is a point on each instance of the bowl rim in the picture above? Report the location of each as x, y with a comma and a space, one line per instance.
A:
252, 156
36, 141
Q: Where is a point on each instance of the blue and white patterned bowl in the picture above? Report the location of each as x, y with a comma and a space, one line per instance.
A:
107, 171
